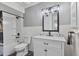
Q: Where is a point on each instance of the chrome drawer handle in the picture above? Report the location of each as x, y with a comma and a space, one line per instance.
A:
45, 50
45, 43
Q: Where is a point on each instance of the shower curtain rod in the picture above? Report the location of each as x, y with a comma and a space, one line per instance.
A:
12, 14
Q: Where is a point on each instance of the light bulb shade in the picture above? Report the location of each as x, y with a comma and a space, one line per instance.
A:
54, 9
45, 12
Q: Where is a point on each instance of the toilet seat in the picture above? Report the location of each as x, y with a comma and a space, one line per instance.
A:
21, 47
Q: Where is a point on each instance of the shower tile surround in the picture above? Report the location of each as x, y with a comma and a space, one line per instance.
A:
13, 11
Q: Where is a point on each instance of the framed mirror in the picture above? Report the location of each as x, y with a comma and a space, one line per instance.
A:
50, 22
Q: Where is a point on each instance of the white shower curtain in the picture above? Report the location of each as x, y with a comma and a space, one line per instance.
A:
9, 33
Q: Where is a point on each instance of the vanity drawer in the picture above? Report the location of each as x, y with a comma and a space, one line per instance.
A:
39, 42
53, 43
45, 42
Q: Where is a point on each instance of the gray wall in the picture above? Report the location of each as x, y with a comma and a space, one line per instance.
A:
65, 13
33, 15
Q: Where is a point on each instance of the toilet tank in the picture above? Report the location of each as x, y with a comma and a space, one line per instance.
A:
26, 39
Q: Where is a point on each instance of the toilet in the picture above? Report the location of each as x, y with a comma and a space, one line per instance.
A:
22, 48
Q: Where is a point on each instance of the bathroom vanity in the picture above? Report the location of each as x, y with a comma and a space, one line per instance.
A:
48, 45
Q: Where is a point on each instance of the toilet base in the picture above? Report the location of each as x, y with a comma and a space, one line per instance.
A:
21, 49
22, 53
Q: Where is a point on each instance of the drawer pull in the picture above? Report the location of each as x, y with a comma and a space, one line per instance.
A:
45, 43
45, 50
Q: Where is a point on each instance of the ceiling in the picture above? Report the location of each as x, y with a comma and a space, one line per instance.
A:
20, 6
27, 4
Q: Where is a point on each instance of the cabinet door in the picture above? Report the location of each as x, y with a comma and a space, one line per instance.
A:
38, 47
53, 51
54, 48
39, 51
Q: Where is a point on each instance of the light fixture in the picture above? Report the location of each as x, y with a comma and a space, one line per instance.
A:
53, 9
46, 11
43, 11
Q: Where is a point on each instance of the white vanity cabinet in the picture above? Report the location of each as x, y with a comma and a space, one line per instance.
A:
48, 46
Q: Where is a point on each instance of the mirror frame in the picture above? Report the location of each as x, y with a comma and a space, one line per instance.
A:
57, 24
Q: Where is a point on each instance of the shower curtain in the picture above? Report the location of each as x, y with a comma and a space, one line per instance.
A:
9, 33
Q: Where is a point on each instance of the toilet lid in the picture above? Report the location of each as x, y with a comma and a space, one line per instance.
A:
21, 46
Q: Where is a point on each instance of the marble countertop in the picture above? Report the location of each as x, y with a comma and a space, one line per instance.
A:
57, 38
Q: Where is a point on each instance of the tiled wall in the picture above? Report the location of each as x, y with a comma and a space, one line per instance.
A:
36, 30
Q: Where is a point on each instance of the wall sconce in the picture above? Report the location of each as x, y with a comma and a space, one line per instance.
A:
46, 11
